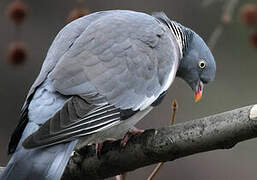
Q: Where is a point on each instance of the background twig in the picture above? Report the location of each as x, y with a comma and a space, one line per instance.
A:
172, 121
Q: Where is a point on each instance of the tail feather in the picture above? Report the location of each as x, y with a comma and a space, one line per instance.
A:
41, 164
60, 162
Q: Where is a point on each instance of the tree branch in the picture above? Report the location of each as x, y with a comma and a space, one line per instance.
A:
219, 131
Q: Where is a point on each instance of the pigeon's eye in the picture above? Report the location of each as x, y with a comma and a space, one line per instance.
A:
202, 64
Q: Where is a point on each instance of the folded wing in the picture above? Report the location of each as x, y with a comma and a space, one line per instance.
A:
77, 118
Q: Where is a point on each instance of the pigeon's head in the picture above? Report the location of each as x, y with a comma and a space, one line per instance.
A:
197, 67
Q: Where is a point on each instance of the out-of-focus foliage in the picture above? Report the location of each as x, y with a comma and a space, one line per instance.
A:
17, 11
17, 53
249, 18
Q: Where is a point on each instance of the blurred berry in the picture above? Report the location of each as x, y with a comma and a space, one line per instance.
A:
226, 18
77, 13
17, 53
17, 11
253, 39
249, 14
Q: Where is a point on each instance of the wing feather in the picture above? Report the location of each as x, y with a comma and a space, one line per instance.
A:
66, 124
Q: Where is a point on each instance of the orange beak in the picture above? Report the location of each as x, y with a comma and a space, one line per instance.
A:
199, 91
198, 96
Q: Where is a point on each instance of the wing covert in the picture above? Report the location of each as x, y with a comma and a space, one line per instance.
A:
125, 60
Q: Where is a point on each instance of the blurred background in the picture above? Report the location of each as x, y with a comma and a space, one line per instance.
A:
226, 25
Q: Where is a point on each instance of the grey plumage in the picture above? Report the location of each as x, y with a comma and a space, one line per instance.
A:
102, 74
122, 65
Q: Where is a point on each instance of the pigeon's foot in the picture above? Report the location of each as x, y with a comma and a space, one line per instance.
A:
129, 134
121, 176
99, 146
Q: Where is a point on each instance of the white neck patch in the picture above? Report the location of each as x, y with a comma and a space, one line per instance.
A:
179, 35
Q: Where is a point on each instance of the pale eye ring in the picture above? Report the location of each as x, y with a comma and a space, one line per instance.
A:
202, 64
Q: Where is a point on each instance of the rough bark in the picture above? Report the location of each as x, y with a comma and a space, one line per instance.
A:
219, 131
